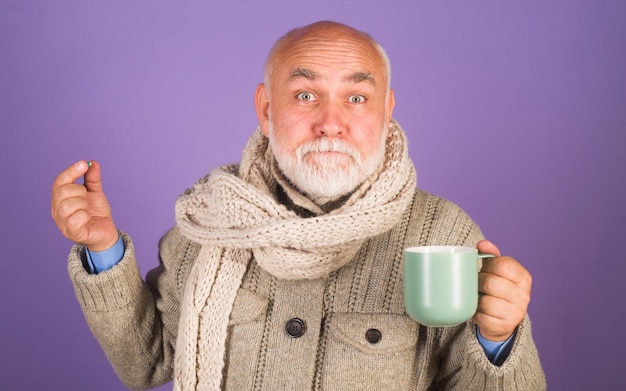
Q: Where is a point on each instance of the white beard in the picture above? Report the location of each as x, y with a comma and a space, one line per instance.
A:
326, 175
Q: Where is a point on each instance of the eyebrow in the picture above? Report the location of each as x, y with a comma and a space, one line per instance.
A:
302, 72
361, 77
357, 77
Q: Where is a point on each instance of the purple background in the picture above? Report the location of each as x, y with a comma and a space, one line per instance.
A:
514, 110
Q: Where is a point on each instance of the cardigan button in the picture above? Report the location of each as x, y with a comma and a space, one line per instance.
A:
295, 328
373, 335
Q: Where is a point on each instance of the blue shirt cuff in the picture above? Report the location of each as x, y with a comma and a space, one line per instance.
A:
497, 352
99, 261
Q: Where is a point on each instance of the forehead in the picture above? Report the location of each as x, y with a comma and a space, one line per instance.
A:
329, 56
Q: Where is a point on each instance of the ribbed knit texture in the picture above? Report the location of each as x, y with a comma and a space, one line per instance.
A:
136, 323
235, 215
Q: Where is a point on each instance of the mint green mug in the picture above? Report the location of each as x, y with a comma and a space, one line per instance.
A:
441, 284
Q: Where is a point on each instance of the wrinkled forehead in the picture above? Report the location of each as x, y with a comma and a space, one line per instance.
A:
333, 50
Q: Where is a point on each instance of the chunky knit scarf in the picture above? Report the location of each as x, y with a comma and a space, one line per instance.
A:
235, 215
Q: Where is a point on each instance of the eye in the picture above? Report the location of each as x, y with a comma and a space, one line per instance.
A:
305, 96
356, 99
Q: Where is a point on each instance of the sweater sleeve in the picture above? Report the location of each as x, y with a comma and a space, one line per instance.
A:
134, 321
465, 366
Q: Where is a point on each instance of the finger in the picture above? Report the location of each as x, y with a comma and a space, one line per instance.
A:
499, 287
76, 226
70, 174
493, 328
486, 247
93, 179
66, 208
70, 205
68, 191
507, 267
497, 316
494, 307
62, 194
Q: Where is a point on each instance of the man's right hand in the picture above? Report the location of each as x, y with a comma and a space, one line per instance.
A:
82, 212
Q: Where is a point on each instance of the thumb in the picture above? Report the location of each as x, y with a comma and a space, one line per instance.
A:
486, 247
93, 180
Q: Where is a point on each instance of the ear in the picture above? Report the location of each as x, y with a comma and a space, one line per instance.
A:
262, 106
391, 102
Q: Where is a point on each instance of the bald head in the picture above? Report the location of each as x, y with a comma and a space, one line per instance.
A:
331, 32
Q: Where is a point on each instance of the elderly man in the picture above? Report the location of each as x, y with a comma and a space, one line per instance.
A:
284, 272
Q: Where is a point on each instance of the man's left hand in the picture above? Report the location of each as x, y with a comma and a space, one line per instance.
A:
504, 285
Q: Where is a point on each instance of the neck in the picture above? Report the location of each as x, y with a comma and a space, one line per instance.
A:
305, 206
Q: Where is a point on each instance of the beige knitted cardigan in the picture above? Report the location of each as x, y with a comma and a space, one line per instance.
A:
235, 215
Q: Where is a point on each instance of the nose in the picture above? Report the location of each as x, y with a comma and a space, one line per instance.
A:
331, 120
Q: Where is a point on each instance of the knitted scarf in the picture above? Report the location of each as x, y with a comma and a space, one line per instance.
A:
234, 214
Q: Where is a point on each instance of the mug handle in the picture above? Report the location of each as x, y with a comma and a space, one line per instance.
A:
483, 256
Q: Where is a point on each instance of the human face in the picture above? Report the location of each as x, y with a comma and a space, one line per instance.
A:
326, 112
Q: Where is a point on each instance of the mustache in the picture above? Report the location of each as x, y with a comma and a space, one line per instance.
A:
328, 145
